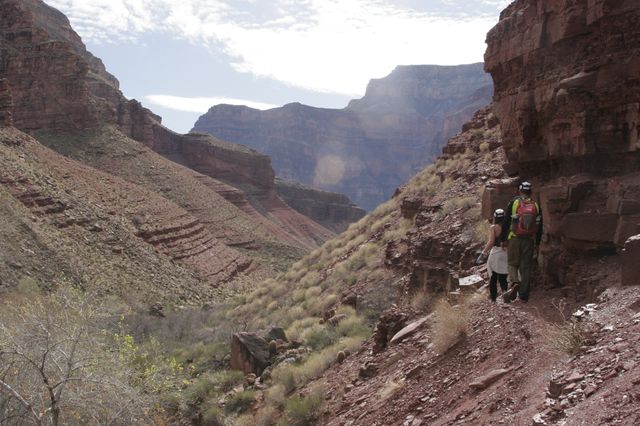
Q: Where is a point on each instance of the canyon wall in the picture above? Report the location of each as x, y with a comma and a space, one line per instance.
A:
58, 87
567, 93
372, 146
331, 210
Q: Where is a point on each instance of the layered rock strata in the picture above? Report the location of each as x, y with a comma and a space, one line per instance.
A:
58, 87
369, 148
567, 93
331, 210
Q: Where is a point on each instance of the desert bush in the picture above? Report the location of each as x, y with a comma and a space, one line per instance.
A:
57, 365
212, 416
267, 416
304, 411
200, 391
240, 402
276, 395
450, 324
568, 335
353, 326
319, 336
420, 300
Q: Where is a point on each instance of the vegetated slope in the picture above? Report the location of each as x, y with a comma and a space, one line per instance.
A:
372, 146
474, 363
65, 223
60, 91
417, 243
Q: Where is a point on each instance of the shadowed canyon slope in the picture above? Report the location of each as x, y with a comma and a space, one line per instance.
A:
370, 147
229, 210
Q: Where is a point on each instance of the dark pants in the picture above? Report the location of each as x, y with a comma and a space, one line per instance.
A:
520, 255
493, 284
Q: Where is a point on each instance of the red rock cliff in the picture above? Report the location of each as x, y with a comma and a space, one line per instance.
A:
567, 93
58, 86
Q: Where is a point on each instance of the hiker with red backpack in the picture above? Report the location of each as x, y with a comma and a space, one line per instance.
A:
521, 232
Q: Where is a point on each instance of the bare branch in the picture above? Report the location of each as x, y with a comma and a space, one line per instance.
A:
20, 399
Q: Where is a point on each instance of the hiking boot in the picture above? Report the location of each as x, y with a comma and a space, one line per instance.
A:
513, 293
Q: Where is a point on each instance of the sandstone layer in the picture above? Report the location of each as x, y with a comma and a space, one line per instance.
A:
372, 146
567, 93
331, 210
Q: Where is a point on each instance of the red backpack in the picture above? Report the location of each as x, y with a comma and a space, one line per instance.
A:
526, 224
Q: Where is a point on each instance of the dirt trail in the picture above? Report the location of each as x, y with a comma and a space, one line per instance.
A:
409, 384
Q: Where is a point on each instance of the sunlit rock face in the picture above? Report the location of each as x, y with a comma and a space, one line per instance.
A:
372, 146
567, 93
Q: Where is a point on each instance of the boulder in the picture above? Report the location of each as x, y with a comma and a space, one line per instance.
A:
249, 353
391, 321
410, 329
276, 333
630, 261
472, 282
497, 195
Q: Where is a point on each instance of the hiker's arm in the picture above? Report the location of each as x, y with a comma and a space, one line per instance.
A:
539, 234
506, 223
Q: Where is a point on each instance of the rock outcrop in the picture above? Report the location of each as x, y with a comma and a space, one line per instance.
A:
331, 210
6, 105
58, 87
249, 353
567, 93
372, 146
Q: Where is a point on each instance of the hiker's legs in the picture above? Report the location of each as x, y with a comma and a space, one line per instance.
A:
526, 261
513, 259
493, 286
503, 282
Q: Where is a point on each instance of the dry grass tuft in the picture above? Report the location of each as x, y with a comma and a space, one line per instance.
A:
568, 335
450, 324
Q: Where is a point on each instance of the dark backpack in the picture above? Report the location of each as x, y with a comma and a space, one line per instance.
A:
526, 223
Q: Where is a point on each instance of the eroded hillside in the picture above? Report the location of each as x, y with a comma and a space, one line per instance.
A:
53, 88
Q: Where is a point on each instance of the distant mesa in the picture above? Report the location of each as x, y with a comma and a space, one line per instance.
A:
372, 146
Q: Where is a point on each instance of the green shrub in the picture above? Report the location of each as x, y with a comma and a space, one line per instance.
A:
275, 395
240, 402
304, 411
319, 337
200, 391
212, 417
226, 380
266, 416
285, 376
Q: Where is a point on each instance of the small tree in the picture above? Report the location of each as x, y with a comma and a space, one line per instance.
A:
58, 366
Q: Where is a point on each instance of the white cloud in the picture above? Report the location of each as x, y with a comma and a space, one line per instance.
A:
200, 104
323, 45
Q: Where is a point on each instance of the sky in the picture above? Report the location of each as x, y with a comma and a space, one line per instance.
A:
180, 57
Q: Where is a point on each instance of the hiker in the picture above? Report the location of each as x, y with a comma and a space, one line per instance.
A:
497, 256
521, 233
